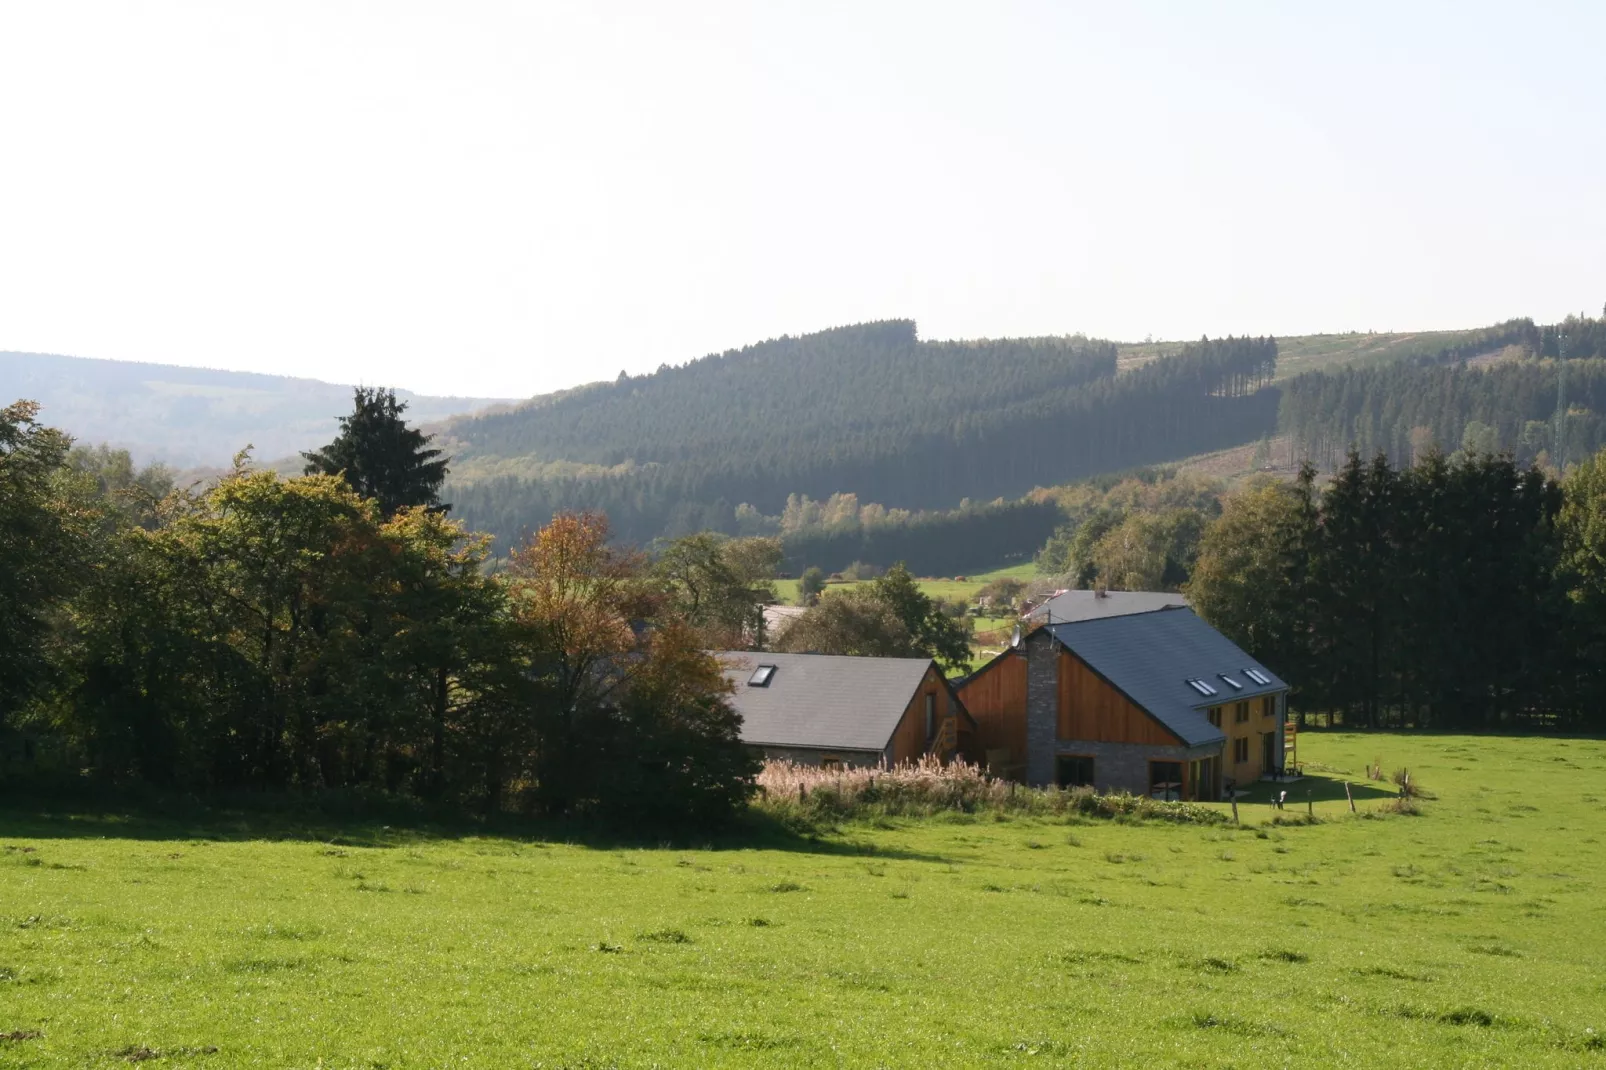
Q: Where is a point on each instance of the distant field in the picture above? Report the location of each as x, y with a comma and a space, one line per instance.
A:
1313, 352
1469, 936
933, 586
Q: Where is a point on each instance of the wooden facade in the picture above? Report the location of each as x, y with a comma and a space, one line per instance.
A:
996, 697
1105, 738
913, 736
1091, 709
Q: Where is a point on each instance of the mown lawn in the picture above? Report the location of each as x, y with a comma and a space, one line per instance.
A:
1473, 935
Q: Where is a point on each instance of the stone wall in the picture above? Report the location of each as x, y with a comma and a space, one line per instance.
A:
813, 756
1125, 766
1042, 707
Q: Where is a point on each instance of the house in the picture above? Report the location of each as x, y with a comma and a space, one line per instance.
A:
822, 709
1151, 703
777, 619
1066, 606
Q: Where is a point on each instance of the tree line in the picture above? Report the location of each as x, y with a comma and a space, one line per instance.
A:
869, 409
970, 538
340, 630
1405, 412
1462, 592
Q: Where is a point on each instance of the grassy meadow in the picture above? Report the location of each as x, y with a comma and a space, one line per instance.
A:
932, 586
1469, 935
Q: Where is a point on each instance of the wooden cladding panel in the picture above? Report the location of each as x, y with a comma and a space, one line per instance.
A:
997, 700
909, 739
1091, 709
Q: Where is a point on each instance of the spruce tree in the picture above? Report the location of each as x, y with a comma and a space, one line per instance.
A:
381, 457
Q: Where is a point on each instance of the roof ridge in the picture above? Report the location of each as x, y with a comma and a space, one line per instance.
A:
815, 654
1121, 616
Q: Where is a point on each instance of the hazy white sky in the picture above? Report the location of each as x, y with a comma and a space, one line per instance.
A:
501, 199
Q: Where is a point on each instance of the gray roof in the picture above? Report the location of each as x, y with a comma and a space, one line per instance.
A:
822, 700
1151, 656
1090, 605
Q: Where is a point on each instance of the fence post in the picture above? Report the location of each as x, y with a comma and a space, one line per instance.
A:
1350, 797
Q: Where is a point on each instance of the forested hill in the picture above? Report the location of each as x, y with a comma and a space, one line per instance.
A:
191, 416
870, 410
1405, 409
847, 386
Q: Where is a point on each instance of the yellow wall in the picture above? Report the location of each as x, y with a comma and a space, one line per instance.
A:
1262, 718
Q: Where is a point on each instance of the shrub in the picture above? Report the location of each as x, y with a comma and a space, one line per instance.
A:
811, 794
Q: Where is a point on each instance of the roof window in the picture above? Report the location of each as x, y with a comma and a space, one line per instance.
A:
761, 676
1202, 687
1257, 676
1230, 682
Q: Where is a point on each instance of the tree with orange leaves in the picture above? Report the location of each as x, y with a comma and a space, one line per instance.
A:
624, 697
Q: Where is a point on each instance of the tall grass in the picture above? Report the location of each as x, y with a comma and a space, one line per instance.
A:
792, 791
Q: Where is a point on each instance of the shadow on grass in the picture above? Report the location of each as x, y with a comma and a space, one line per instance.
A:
347, 820
1318, 787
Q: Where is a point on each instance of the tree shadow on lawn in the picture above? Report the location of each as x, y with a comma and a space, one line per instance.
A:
347, 821
1317, 787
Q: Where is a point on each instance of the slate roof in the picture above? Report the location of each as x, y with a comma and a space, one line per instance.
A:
1089, 605
822, 700
1151, 656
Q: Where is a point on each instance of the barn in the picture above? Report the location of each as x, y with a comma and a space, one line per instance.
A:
822, 709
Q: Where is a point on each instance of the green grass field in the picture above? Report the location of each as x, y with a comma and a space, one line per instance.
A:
934, 587
1472, 935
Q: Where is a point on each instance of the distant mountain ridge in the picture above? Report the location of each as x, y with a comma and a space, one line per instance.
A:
869, 409
193, 417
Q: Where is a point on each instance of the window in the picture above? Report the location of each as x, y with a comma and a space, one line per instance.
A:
931, 716
1203, 688
1240, 712
1073, 771
1215, 716
1240, 749
1230, 682
1258, 677
761, 676
831, 761
1165, 779
1268, 706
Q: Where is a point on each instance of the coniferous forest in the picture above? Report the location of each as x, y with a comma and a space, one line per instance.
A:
1460, 593
917, 427
1408, 408
869, 410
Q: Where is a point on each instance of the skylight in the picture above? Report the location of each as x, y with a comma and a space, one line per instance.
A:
1230, 682
1257, 676
761, 676
1203, 688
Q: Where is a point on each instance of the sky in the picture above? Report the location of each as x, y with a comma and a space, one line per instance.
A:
498, 200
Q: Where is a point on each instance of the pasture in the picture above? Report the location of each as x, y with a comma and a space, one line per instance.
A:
1470, 935
933, 587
